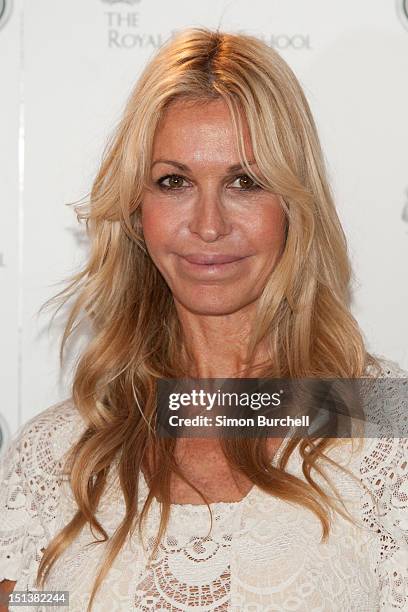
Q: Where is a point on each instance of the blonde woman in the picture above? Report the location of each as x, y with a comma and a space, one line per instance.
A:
216, 251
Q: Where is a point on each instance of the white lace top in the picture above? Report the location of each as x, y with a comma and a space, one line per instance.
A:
262, 553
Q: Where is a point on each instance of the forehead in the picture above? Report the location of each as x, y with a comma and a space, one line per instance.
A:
199, 131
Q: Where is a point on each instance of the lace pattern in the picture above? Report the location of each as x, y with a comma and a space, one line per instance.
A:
262, 554
384, 469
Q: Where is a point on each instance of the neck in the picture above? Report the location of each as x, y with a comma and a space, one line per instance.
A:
216, 346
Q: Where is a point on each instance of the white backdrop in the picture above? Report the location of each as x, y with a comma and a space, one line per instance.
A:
67, 68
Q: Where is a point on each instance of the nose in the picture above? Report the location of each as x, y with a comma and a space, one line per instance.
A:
209, 218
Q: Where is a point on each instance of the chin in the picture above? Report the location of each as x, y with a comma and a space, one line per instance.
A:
212, 305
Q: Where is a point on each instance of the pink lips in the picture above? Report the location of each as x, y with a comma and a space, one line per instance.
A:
216, 258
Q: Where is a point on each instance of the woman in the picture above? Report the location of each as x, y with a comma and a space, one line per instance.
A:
216, 251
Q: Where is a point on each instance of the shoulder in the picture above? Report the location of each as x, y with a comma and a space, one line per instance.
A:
388, 368
54, 418
385, 395
51, 431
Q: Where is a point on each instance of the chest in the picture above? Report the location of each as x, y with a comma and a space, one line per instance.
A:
205, 466
261, 555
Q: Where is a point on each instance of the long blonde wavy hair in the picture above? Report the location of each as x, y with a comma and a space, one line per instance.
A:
303, 312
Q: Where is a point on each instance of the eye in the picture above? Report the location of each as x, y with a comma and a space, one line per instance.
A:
246, 183
175, 181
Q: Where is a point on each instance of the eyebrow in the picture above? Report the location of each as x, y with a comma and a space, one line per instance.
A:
184, 168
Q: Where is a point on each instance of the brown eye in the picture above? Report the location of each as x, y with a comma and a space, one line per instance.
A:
245, 182
174, 181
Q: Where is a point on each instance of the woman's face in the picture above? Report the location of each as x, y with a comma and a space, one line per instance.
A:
212, 233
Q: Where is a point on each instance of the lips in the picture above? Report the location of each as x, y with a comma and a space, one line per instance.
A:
206, 259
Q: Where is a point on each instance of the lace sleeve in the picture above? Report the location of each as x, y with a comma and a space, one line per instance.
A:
386, 470
21, 533
392, 566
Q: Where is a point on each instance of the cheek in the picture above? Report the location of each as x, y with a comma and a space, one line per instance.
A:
268, 229
157, 226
